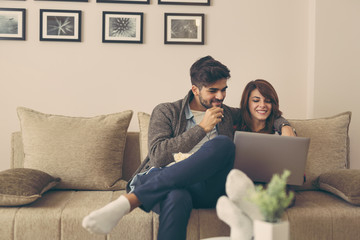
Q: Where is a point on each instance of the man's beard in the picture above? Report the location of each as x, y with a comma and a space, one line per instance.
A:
207, 104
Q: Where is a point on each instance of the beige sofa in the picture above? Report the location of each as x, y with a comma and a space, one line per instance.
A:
317, 214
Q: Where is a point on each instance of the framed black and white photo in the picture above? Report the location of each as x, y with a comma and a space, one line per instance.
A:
122, 27
185, 2
60, 25
125, 1
12, 23
182, 28
64, 0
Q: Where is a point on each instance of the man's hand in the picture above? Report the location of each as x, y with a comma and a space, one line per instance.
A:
212, 117
287, 131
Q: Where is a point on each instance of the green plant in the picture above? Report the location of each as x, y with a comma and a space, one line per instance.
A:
273, 200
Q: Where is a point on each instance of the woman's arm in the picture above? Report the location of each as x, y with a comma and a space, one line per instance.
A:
287, 130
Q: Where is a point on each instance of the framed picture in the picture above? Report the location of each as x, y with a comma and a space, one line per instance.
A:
182, 28
122, 27
60, 25
185, 2
64, 0
125, 1
12, 23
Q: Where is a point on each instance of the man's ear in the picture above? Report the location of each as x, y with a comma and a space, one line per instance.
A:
195, 90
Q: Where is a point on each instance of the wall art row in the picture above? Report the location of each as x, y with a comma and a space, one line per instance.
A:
117, 27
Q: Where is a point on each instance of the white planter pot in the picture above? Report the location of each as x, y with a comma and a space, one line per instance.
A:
271, 231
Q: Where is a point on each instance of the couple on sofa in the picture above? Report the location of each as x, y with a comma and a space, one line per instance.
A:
199, 124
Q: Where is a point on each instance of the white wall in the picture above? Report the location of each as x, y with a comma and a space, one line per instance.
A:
337, 65
254, 38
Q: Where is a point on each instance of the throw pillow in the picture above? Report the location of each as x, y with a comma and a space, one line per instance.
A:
344, 183
144, 120
20, 186
329, 145
86, 153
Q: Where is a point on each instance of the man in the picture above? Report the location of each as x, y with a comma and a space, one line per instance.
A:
199, 124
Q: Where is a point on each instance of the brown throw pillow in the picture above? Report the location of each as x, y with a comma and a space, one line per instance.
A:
20, 186
85, 152
344, 183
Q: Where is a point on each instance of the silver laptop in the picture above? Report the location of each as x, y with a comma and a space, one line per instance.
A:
262, 155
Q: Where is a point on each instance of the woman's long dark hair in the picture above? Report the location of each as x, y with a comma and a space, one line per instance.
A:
268, 91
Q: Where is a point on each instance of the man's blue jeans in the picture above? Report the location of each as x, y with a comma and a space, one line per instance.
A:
196, 182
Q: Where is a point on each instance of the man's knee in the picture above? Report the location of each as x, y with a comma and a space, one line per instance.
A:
224, 143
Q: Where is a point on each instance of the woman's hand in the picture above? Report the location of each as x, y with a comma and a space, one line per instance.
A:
287, 131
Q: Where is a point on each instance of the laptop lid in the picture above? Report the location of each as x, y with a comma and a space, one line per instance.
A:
262, 155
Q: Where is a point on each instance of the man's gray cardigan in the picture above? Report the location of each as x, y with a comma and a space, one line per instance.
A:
168, 135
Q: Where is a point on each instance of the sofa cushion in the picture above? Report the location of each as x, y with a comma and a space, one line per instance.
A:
144, 120
20, 186
58, 215
320, 215
344, 183
86, 153
329, 145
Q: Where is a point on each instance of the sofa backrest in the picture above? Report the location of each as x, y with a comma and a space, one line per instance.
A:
131, 153
329, 147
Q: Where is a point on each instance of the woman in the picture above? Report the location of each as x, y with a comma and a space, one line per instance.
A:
259, 108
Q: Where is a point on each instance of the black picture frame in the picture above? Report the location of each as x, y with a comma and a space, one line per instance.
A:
185, 2
60, 25
122, 27
125, 1
184, 28
12, 23
63, 0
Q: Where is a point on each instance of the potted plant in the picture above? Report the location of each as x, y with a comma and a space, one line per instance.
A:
272, 202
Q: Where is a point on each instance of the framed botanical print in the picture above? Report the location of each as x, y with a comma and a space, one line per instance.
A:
60, 25
122, 27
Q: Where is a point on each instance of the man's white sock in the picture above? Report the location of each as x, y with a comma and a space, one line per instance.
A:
103, 220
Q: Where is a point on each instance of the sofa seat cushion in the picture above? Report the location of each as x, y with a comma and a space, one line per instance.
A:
203, 223
58, 215
321, 215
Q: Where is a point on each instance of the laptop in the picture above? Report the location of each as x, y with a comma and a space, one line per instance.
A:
260, 156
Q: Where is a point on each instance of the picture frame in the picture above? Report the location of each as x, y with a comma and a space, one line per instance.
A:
122, 27
184, 28
60, 25
12, 23
185, 2
62, 0
125, 1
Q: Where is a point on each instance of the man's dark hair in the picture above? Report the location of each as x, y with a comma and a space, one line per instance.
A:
206, 71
